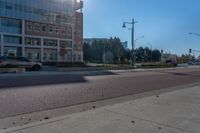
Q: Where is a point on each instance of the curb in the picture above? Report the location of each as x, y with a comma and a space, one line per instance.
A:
12, 70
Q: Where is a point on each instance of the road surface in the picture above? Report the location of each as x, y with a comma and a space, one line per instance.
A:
39, 91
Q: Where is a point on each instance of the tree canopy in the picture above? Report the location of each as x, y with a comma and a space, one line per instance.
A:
112, 51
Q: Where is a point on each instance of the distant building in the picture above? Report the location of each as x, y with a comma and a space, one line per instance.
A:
125, 45
91, 40
169, 58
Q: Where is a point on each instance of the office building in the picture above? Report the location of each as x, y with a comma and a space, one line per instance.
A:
42, 30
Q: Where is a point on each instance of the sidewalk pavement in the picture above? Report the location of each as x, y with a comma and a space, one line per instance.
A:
171, 112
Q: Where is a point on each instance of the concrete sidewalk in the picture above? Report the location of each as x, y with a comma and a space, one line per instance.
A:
171, 112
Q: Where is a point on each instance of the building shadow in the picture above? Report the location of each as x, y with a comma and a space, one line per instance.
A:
28, 80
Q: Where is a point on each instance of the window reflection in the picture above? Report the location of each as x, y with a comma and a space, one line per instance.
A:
55, 12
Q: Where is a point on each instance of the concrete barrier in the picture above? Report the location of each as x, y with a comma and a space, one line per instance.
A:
12, 70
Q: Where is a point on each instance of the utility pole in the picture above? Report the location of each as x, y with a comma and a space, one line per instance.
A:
133, 42
104, 54
133, 59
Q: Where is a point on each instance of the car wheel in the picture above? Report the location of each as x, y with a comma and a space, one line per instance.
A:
36, 68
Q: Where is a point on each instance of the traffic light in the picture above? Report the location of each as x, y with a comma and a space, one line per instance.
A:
190, 50
161, 51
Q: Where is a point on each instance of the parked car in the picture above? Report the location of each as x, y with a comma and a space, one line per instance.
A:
197, 63
190, 63
20, 61
7, 61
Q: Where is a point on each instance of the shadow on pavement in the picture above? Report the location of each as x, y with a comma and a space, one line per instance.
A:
180, 73
21, 80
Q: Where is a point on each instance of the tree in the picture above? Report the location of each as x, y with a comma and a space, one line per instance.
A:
98, 49
146, 54
140, 54
156, 55
184, 58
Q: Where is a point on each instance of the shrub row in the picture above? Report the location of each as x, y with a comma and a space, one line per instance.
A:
157, 65
10, 66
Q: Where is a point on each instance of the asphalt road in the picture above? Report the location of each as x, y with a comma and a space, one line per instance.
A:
31, 92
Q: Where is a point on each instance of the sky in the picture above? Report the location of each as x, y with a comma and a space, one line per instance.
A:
164, 23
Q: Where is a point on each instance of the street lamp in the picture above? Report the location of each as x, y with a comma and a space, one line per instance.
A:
196, 34
132, 39
139, 38
151, 51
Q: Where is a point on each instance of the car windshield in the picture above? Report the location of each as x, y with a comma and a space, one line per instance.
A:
10, 58
99, 66
22, 59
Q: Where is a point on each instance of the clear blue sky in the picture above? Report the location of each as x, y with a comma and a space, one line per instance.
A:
164, 23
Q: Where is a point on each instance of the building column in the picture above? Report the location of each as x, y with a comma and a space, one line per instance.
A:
42, 50
23, 38
82, 57
58, 51
73, 40
2, 46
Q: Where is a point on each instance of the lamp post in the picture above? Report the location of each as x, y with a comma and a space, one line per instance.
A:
139, 38
191, 50
151, 51
132, 39
196, 34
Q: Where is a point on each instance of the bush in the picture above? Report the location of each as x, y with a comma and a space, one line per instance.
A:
157, 65
10, 66
76, 64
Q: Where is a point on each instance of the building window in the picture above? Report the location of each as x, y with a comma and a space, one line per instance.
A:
36, 56
74, 57
45, 56
44, 28
69, 57
66, 44
50, 55
69, 32
37, 27
79, 57
32, 41
57, 30
29, 26
29, 56
28, 41
33, 54
12, 39
49, 42
63, 32
12, 51
50, 28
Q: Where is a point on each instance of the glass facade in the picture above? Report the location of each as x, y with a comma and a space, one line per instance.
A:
48, 11
40, 29
10, 26
12, 39
12, 51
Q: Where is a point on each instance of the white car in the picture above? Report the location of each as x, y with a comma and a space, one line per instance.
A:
4, 61
20, 61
